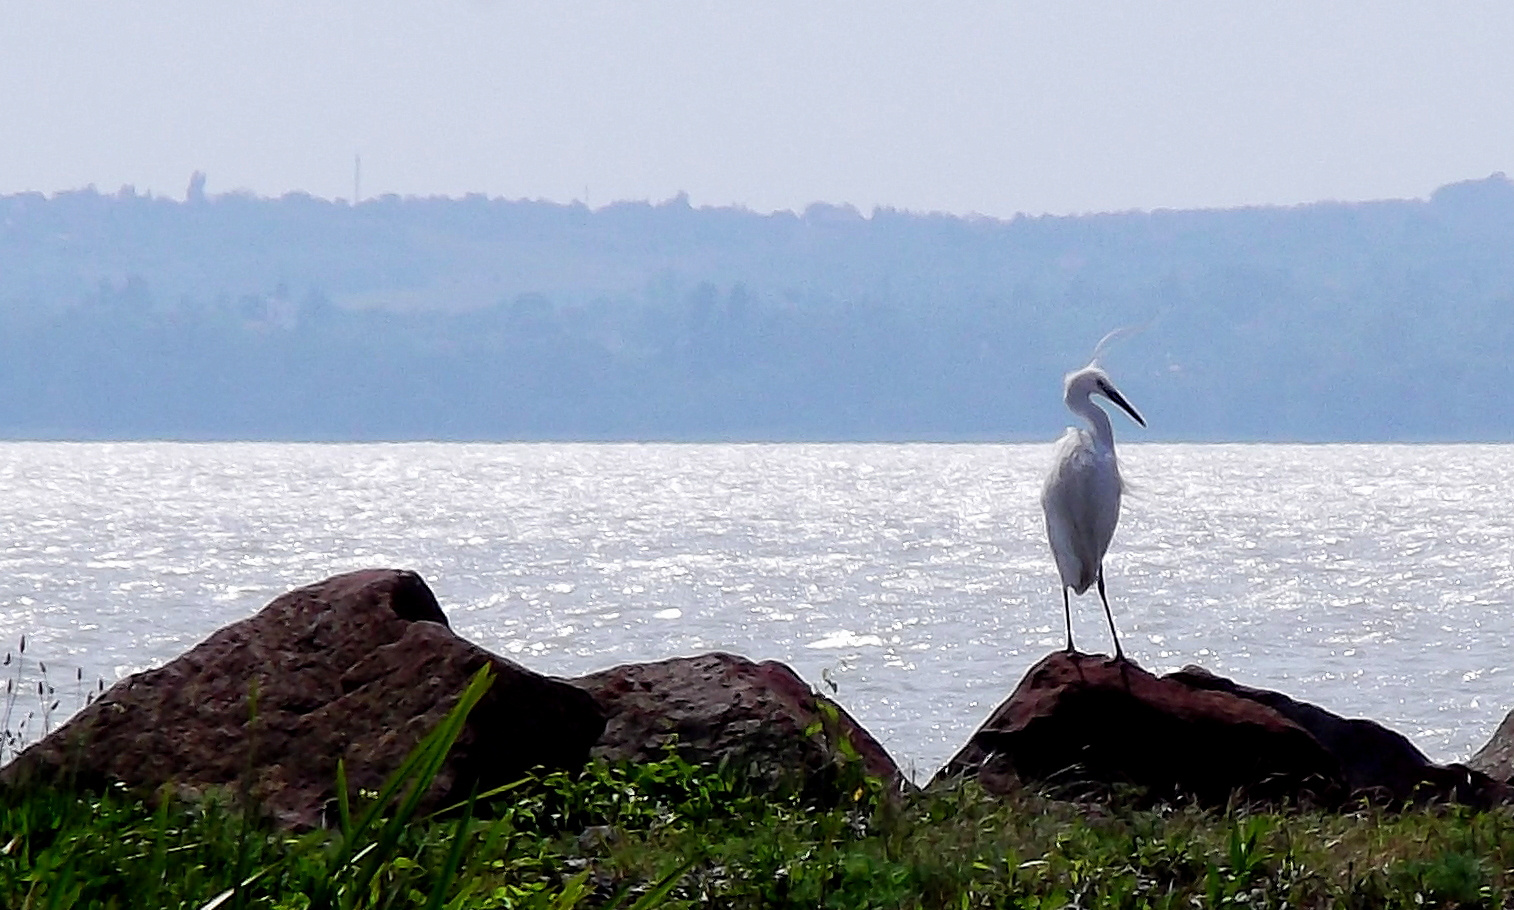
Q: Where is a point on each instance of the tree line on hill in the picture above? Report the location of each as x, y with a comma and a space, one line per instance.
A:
132, 316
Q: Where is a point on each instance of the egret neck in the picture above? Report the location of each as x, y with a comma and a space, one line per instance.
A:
1080, 403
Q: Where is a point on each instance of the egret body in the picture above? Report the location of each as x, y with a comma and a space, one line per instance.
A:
1081, 496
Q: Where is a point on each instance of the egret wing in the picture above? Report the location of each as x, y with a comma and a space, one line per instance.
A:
1081, 499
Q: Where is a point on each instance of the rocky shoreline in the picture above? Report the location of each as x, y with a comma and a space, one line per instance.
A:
359, 667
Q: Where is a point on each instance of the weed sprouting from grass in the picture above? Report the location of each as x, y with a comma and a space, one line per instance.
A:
18, 730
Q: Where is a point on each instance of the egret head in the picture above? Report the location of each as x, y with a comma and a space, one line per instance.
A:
1082, 384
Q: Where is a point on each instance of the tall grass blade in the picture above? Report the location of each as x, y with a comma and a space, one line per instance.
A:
664, 886
343, 803
572, 892
433, 755
416, 772
219, 899
448, 872
485, 796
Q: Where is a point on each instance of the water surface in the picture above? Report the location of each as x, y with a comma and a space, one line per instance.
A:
1373, 580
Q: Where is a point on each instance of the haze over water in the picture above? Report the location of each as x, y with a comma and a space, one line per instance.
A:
1374, 581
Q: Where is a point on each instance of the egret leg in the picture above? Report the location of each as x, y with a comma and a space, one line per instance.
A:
1067, 611
1118, 654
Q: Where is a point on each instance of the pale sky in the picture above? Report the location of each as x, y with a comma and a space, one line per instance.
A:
987, 107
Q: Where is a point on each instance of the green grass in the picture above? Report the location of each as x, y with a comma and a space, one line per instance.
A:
667, 834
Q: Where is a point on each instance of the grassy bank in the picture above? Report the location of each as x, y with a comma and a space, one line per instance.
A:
669, 835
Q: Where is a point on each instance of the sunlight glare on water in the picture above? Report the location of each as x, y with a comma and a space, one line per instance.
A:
1373, 580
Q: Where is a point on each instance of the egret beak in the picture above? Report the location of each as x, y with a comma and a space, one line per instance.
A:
1114, 395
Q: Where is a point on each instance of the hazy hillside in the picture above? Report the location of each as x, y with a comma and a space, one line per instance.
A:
238, 317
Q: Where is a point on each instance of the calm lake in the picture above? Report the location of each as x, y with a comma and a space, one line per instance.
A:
1374, 581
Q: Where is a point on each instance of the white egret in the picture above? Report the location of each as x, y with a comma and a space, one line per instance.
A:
1081, 496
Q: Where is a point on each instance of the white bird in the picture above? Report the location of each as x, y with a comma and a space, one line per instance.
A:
1081, 496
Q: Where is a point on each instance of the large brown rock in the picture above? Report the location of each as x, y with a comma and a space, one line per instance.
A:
358, 667
1084, 720
758, 718
1378, 763
1080, 719
1496, 759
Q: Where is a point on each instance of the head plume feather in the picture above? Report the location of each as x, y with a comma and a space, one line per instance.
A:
1109, 339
